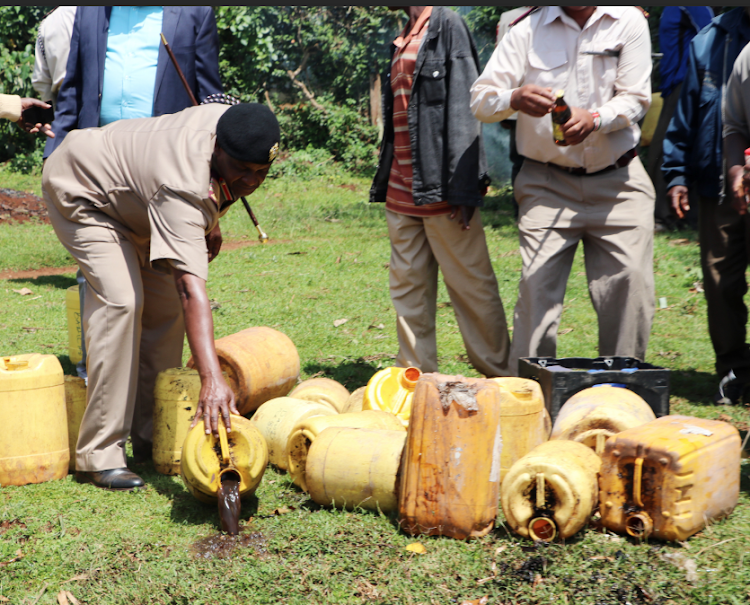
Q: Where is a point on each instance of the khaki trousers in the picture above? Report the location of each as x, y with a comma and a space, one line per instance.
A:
418, 246
613, 215
134, 329
725, 254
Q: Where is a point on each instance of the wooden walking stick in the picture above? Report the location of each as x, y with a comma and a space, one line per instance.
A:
261, 234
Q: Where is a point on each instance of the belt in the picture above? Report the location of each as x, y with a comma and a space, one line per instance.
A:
621, 162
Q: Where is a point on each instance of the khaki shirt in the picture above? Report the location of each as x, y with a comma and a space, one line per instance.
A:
548, 49
147, 179
736, 108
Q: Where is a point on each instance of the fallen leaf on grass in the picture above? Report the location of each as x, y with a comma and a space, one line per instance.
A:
18, 557
283, 510
681, 561
416, 547
480, 601
565, 331
23, 291
62, 598
378, 327
443, 305
724, 418
602, 558
4, 599
80, 576
339, 322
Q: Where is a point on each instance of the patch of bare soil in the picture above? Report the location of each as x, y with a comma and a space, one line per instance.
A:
21, 206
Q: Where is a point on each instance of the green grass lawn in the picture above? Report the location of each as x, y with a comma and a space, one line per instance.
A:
327, 260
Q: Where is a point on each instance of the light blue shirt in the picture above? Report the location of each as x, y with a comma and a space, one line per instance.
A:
130, 64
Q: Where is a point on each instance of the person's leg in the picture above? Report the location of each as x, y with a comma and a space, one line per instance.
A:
162, 337
472, 286
413, 285
618, 246
548, 230
724, 258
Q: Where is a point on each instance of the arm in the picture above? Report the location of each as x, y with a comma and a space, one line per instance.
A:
216, 396
41, 79
207, 77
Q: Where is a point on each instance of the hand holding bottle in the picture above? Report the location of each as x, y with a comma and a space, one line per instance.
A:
533, 100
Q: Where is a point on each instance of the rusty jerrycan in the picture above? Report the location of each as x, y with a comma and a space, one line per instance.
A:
307, 430
524, 421
355, 401
276, 420
260, 364
176, 395
593, 415
73, 312
205, 459
322, 390
33, 420
75, 405
668, 478
392, 390
450, 477
355, 468
552, 491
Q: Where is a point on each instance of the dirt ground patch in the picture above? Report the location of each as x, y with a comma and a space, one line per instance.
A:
21, 206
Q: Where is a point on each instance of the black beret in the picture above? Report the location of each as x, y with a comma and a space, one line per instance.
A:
249, 132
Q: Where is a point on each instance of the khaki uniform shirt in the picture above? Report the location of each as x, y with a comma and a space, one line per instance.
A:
549, 49
736, 108
147, 179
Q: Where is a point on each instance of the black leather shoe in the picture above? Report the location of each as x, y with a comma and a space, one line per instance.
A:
120, 479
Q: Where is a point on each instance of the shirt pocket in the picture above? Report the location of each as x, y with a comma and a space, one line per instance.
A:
432, 82
549, 69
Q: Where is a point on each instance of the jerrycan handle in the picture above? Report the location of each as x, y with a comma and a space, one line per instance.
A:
12, 364
637, 476
226, 457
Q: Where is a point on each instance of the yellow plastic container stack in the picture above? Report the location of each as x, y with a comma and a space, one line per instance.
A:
205, 459
305, 433
33, 420
450, 479
668, 478
355, 401
524, 421
551, 491
392, 390
73, 309
352, 468
260, 364
322, 390
593, 415
176, 395
276, 420
75, 403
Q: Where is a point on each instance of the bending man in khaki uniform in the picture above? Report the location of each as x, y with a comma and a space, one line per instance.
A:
133, 202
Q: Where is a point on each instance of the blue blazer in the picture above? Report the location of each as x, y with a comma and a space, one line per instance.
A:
192, 36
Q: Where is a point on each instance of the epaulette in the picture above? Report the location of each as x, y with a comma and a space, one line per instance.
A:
533, 9
644, 11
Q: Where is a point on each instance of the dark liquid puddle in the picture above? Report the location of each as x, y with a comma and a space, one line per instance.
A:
222, 546
229, 503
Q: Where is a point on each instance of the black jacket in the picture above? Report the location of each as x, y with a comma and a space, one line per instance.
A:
448, 158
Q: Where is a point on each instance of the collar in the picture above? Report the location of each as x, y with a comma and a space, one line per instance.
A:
403, 39
219, 187
556, 12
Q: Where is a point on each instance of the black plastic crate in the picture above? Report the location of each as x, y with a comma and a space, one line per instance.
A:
560, 379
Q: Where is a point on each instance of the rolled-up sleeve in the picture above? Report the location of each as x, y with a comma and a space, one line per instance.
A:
178, 232
491, 92
10, 107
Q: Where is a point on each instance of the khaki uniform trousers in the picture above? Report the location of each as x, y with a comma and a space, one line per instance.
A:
613, 214
134, 329
418, 246
725, 254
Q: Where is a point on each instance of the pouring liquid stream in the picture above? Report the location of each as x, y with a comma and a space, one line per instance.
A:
229, 503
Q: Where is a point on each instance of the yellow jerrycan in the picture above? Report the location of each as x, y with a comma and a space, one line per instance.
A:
355, 401
668, 478
276, 420
524, 421
206, 459
305, 433
450, 479
355, 468
33, 420
392, 390
75, 404
551, 491
73, 310
261, 363
322, 390
176, 395
593, 415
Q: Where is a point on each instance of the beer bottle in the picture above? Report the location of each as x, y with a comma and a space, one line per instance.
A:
560, 114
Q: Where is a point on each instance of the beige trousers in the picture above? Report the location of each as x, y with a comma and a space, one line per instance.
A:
418, 246
134, 329
613, 215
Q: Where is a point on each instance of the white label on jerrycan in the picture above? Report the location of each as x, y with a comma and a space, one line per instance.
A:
695, 430
497, 450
